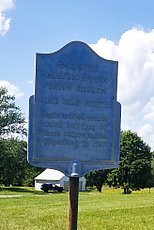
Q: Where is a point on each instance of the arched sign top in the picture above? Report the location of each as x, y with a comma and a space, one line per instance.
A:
78, 46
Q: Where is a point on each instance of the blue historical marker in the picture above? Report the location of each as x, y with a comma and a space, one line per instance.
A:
74, 117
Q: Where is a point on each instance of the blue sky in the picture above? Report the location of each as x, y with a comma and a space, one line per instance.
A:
118, 30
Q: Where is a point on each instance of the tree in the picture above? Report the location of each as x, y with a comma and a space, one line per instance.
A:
14, 168
152, 170
97, 178
12, 159
134, 170
11, 118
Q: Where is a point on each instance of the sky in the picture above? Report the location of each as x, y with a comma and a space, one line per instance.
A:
117, 30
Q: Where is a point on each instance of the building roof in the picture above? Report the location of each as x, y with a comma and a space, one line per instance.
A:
50, 174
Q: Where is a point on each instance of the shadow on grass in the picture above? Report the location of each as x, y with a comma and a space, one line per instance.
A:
19, 190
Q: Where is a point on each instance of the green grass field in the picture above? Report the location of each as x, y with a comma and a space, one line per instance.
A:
109, 210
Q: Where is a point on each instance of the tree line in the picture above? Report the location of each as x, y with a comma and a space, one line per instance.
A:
135, 170
14, 168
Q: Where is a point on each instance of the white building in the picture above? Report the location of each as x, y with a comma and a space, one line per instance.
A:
56, 177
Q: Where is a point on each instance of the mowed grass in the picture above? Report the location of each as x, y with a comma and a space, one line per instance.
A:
109, 210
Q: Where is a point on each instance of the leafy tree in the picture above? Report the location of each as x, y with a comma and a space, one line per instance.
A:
97, 178
14, 168
11, 118
12, 159
152, 170
134, 171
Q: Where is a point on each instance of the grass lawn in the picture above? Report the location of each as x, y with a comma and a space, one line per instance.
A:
109, 210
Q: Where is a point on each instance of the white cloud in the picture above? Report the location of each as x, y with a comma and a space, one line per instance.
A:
149, 110
5, 5
30, 82
12, 89
135, 54
147, 133
4, 24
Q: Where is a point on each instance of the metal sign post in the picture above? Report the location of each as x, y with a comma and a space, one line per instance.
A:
73, 203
